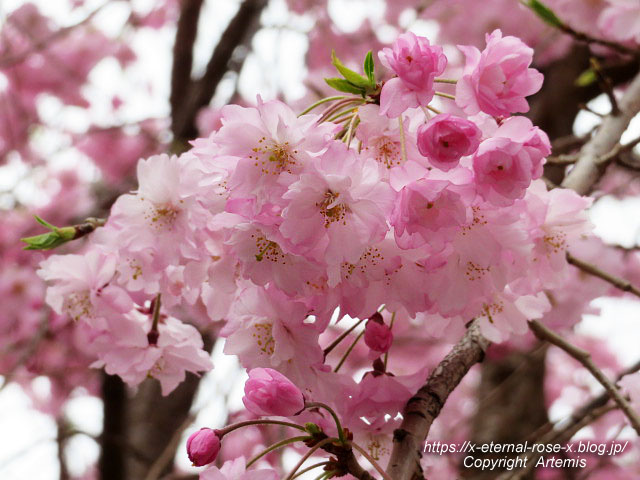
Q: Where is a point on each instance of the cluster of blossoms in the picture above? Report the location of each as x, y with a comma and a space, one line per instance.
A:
415, 217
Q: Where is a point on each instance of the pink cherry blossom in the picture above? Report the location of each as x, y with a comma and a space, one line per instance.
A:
125, 350
430, 211
266, 329
82, 286
497, 80
446, 138
507, 314
416, 63
268, 392
266, 147
505, 164
336, 210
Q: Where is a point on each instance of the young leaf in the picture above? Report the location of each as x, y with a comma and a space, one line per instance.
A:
369, 69
545, 13
342, 85
351, 76
586, 78
47, 241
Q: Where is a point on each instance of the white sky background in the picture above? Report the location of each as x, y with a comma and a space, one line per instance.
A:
27, 449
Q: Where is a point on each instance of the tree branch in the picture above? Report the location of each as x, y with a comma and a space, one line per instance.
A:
590, 166
580, 418
584, 357
202, 91
423, 408
186, 32
619, 283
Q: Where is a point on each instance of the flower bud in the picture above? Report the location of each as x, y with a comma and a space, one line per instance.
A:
377, 335
446, 139
268, 392
203, 447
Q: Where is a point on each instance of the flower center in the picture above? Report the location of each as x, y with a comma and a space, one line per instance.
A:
273, 158
332, 211
264, 338
268, 250
489, 310
78, 305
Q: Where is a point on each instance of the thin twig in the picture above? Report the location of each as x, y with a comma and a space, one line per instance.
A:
584, 357
313, 449
619, 283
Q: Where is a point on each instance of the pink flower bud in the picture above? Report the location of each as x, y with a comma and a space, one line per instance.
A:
203, 447
377, 335
446, 139
268, 392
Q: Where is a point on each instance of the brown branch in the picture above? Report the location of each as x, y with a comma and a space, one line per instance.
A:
619, 283
584, 357
423, 408
166, 457
590, 166
606, 85
580, 418
554, 437
237, 33
61, 441
112, 464
186, 32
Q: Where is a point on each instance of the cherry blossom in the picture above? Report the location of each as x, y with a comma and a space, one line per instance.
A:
416, 63
497, 80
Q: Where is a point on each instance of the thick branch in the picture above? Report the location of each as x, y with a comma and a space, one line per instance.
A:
584, 357
236, 33
590, 166
619, 283
423, 408
183, 55
112, 465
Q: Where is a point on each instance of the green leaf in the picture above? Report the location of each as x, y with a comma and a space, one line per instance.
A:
545, 13
586, 78
351, 76
342, 85
369, 69
47, 241
44, 223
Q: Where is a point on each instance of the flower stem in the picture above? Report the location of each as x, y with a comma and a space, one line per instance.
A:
275, 446
337, 341
333, 414
320, 102
350, 130
346, 354
445, 95
446, 80
308, 469
386, 354
403, 145
230, 428
317, 446
156, 313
